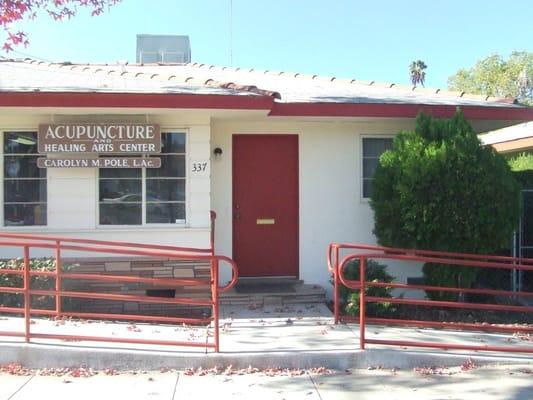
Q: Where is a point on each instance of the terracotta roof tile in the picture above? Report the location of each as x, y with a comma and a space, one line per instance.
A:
284, 86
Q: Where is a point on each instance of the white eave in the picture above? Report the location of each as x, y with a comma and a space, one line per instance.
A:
511, 133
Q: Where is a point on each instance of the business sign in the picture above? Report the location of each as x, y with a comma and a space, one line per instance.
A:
107, 162
99, 138
95, 139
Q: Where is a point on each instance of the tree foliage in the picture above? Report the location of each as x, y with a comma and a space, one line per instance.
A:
522, 162
45, 264
13, 11
417, 72
495, 76
439, 189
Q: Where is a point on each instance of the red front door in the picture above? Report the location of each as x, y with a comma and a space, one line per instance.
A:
265, 205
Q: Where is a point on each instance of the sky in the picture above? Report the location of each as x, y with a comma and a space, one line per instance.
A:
367, 40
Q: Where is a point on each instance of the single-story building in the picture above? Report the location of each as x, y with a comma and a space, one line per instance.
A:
143, 152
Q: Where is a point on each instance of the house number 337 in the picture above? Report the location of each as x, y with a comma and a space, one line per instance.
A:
199, 166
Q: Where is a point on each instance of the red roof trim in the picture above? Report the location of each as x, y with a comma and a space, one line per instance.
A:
398, 111
133, 100
229, 102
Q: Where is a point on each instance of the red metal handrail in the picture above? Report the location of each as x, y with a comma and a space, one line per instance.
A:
48, 238
60, 244
363, 252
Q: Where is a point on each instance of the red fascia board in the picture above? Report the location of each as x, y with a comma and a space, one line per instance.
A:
133, 100
398, 111
228, 102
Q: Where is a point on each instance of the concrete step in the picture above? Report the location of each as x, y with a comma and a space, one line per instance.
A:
274, 294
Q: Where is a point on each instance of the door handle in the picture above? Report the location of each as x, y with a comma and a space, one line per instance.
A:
237, 215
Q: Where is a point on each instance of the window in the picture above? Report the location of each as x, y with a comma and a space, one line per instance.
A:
120, 196
24, 183
165, 186
372, 150
131, 196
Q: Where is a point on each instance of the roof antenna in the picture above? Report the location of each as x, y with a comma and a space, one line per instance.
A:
230, 33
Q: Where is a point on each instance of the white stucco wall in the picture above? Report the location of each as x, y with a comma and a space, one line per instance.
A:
331, 208
73, 193
331, 205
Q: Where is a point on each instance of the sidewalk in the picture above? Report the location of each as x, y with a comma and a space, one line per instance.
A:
296, 336
489, 382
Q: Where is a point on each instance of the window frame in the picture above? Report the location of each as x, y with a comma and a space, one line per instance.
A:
144, 225
361, 160
3, 132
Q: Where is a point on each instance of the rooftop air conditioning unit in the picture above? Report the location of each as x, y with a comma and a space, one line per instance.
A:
163, 49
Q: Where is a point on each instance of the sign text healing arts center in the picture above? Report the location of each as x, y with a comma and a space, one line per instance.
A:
94, 139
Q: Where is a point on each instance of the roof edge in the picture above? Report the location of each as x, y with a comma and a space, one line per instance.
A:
400, 110
240, 102
134, 100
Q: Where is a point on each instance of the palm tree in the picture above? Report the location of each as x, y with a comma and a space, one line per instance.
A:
416, 70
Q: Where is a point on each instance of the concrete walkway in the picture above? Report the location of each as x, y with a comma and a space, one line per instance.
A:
489, 382
296, 336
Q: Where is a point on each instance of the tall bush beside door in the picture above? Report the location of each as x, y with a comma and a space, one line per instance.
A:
439, 189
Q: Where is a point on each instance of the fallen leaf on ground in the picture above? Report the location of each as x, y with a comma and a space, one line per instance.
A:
270, 372
524, 336
15, 369
433, 371
468, 365
133, 328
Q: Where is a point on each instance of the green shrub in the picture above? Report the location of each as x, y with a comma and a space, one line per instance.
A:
37, 282
522, 162
524, 178
448, 276
375, 272
439, 189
